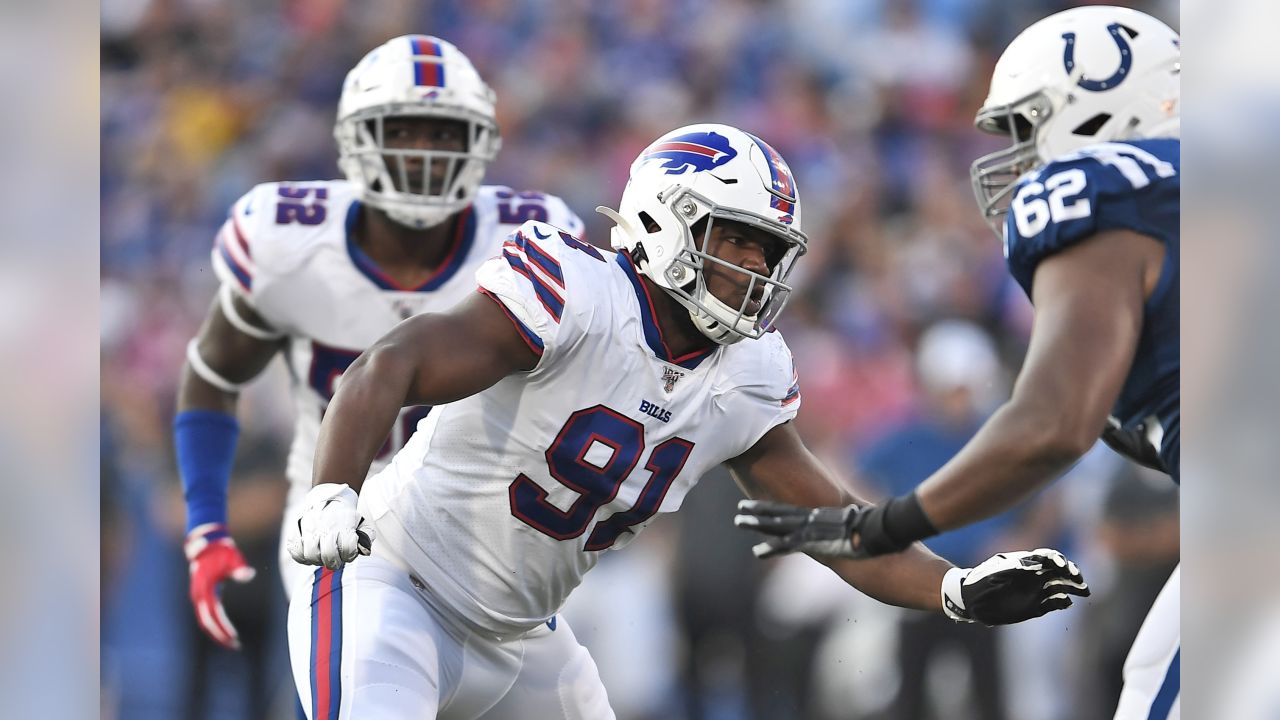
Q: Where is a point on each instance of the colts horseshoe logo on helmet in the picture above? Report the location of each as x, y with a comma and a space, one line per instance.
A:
1126, 59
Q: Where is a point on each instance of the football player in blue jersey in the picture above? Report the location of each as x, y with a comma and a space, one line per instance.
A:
1087, 198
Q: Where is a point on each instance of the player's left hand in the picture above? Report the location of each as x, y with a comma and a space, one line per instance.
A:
1012, 587
330, 531
852, 531
824, 531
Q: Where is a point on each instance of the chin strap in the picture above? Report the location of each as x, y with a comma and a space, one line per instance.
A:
716, 329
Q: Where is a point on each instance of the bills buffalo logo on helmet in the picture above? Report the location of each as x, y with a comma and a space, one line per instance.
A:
694, 151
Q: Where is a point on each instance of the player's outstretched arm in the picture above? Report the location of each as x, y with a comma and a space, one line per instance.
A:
426, 360
1089, 308
780, 469
226, 354
790, 486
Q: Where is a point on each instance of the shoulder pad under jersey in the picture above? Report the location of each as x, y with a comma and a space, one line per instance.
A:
274, 227
549, 282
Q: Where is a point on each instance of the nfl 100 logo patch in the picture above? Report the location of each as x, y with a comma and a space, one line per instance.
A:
402, 309
670, 376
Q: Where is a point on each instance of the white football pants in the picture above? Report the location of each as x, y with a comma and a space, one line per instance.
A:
1152, 669
367, 642
293, 574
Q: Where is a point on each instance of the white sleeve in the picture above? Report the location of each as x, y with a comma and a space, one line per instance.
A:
232, 254
240, 275
528, 282
254, 255
777, 395
790, 401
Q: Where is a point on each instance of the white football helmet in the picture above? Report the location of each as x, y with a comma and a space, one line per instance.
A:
716, 172
415, 76
1082, 76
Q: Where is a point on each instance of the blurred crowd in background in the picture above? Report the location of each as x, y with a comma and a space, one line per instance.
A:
906, 332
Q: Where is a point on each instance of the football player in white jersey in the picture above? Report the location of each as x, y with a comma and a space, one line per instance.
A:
320, 270
579, 393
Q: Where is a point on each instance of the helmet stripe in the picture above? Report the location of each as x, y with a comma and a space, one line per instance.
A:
784, 183
425, 46
426, 73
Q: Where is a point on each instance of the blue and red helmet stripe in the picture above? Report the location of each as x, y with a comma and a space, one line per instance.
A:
426, 73
783, 182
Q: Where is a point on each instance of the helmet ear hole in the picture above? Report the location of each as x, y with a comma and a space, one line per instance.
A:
651, 226
1090, 127
1021, 125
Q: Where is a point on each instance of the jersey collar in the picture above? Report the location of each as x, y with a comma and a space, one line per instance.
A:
649, 321
453, 261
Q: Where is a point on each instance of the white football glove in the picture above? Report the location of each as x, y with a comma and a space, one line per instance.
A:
1012, 587
330, 531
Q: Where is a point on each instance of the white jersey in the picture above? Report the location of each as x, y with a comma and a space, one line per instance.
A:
502, 501
288, 249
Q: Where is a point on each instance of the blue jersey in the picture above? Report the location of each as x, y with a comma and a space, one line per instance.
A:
1134, 186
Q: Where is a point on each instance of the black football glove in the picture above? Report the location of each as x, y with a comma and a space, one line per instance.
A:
825, 531
828, 531
1012, 587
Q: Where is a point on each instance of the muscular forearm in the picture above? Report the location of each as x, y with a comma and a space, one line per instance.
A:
1017, 451
1089, 314
910, 579
360, 416
194, 393
784, 471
